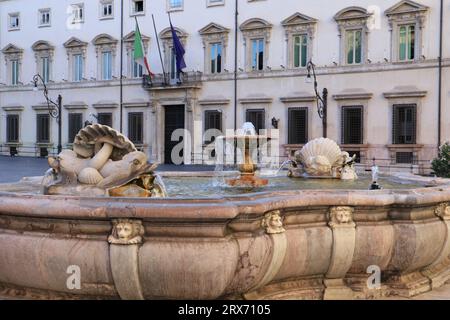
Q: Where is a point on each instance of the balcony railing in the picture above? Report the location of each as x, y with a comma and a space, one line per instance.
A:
161, 80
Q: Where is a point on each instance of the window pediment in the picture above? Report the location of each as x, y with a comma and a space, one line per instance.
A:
352, 13
214, 32
298, 19
12, 49
407, 11
104, 39
406, 7
74, 43
213, 28
42, 45
255, 24
166, 34
130, 37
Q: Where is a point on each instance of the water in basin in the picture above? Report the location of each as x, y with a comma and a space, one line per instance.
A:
209, 186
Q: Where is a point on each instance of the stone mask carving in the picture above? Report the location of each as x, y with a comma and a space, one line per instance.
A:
341, 216
126, 231
272, 222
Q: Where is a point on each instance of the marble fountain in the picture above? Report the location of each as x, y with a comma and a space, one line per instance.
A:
103, 209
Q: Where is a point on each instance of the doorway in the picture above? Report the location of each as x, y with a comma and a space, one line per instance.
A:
173, 120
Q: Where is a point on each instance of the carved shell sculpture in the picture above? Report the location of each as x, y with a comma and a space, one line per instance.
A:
319, 156
100, 156
90, 139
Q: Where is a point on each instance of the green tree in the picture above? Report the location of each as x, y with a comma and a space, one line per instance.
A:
441, 165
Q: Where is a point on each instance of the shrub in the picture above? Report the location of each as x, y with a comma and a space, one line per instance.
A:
441, 165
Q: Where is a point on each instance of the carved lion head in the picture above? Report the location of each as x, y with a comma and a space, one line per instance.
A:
126, 231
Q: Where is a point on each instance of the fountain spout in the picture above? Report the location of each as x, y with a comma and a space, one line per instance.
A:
375, 185
247, 169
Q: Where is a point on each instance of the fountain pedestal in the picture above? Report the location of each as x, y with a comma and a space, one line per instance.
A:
247, 178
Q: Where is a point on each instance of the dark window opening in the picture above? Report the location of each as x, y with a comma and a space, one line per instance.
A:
404, 124
257, 117
404, 157
43, 128
105, 119
138, 6
75, 125
136, 127
298, 125
213, 120
12, 128
352, 125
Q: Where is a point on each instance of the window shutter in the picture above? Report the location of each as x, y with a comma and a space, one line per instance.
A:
213, 120
105, 119
43, 128
404, 124
12, 127
135, 127
75, 125
298, 125
352, 125
257, 117
395, 125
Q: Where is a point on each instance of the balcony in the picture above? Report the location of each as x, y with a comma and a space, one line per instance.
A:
163, 81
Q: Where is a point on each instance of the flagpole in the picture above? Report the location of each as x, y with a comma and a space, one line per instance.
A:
121, 66
159, 50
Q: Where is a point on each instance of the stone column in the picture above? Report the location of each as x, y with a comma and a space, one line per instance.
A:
439, 271
124, 242
340, 220
273, 226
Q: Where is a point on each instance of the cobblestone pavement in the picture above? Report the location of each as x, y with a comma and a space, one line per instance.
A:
15, 168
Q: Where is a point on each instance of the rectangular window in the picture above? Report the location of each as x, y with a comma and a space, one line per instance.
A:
258, 54
404, 124
352, 125
354, 46
107, 65
75, 125
300, 51
137, 70
257, 117
77, 67
12, 128
298, 125
14, 21
77, 13
404, 157
407, 43
216, 57
137, 6
105, 118
106, 8
42, 128
173, 65
213, 120
136, 127
14, 72
45, 72
175, 4
215, 2
44, 17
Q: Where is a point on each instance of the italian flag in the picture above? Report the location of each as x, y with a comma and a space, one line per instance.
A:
139, 55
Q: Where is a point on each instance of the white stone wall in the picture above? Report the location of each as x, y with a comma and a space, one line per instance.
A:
375, 78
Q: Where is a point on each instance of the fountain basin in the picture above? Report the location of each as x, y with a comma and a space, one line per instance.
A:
229, 246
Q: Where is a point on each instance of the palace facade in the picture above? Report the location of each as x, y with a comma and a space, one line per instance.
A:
379, 63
